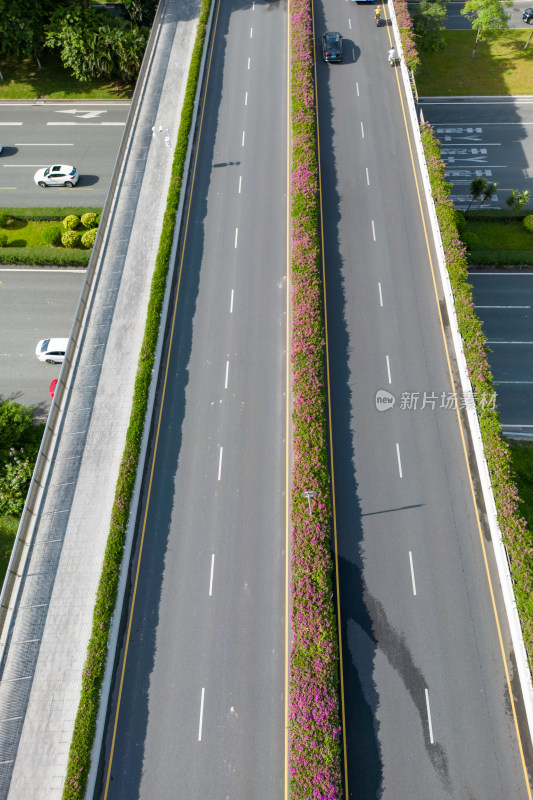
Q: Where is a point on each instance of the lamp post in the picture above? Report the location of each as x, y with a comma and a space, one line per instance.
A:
309, 495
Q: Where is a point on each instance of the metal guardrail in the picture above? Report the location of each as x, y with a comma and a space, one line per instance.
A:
24, 536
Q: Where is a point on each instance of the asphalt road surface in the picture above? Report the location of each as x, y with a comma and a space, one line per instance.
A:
203, 702
34, 304
487, 137
503, 302
34, 135
428, 711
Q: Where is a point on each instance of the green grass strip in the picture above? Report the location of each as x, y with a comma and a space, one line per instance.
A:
93, 672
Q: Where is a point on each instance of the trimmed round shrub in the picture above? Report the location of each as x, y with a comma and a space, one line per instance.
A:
88, 220
71, 238
528, 222
51, 235
3, 239
88, 238
471, 241
3, 219
460, 221
71, 222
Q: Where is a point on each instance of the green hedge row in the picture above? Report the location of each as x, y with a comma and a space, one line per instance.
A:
93, 672
515, 534
501, 258
43, 214
44, 255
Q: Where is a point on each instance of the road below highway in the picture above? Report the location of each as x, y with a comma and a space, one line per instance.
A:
35, 304
202, 705
85, 134
427, 701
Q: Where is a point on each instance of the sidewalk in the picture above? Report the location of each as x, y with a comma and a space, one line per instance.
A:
41, 678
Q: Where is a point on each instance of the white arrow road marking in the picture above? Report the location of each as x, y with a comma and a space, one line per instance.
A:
81, 113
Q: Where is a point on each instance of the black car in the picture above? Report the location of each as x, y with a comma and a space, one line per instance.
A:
527, 15
332, 46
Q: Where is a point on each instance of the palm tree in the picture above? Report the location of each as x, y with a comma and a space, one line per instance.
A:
517, 200
477, 188
488, 193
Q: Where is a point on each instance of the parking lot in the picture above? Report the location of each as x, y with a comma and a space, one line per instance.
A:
486, 137
504, 302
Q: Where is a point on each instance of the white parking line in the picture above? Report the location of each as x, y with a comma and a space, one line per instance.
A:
502, 306
240, 183
380, 295
236, 237
231, 303
367, 177
227, 370
242, 139
373, 230
388, 369
362, 131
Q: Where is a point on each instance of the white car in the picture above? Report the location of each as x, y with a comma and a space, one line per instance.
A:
58, 175
51, 350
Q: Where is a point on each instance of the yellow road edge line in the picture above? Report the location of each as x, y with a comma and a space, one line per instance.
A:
134, 593
461, 431
330, 427
288, 476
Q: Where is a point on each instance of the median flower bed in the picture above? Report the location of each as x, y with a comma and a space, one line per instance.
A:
314, 722
515, 534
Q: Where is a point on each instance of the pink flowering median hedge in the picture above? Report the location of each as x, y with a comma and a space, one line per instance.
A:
314, 723
407, 35
516, 536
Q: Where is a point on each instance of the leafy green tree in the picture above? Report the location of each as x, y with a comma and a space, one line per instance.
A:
429, 20
476, 190
17, 429
72, 31
19, 445
488, 192
21, 26
141, 12
480, 191
486, 16
517, 200
93, 46
15, 483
